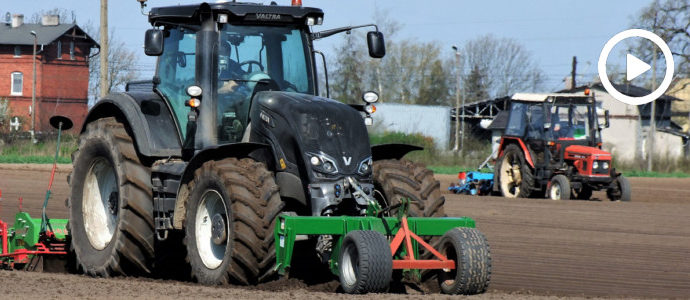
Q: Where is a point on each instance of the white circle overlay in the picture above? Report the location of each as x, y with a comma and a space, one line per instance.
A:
654, 39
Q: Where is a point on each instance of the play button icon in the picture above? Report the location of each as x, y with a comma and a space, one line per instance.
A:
635, 67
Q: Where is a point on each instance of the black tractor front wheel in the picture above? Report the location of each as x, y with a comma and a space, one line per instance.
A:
231, 213
111, 206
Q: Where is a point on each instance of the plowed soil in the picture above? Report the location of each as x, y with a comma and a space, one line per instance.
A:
541, 248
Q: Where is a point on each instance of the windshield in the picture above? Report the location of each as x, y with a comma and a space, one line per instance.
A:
570, 122
253, 59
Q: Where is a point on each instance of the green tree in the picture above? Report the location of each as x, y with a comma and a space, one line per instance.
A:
346, 82
434, 89
474, 85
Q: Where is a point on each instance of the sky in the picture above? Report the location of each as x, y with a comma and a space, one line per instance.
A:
552, 31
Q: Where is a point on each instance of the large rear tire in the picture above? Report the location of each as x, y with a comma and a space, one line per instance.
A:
515, 178
402, 179
111, 210
231, 213
397, 179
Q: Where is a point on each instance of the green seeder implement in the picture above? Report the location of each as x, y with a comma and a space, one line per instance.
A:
29, 240
366, 250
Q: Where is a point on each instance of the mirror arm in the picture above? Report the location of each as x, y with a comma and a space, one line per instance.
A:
326, 33
325, 72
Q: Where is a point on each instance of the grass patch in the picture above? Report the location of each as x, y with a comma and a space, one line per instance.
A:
32, 159
455, 170
656, 174
22, 151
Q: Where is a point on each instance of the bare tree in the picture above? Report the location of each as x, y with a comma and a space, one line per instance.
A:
122, 64
65, 16
670, 20
507, 66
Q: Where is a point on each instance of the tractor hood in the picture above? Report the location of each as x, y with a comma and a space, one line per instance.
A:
585, 151
306, 125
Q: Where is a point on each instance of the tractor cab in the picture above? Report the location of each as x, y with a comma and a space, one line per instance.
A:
552, 144
553, 122
215, 58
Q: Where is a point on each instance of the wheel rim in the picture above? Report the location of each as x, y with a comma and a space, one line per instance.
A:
555, 191
447, 276
211, 229
510, 177
350, 265
100, 204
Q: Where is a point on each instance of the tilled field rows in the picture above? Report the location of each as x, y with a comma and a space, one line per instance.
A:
539, 247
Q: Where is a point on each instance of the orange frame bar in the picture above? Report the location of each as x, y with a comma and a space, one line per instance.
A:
409, 261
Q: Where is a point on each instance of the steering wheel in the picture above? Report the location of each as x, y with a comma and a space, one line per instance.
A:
250, 63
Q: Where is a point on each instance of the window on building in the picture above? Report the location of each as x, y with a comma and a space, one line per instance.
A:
71, 50
59, 50
17, 51
17, 84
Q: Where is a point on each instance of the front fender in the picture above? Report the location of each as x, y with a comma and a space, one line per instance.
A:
257, 151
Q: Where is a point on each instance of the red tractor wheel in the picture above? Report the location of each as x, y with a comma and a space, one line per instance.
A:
559, 189
619, 190
515, 177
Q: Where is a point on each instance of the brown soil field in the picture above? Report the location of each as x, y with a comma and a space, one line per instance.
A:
540, 248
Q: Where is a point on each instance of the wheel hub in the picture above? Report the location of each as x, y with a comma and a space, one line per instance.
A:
112, 203
218, 232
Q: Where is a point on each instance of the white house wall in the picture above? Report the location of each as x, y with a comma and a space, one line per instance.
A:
431, 121
625, 138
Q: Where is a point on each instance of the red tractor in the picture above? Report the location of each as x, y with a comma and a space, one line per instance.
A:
552, 147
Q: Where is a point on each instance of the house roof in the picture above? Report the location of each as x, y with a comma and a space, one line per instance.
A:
626, 89
46, 34
542, 97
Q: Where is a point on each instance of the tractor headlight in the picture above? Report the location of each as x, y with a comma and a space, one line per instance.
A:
595, 165
605, 165
323, 163
328, 167
315, 160
364, 167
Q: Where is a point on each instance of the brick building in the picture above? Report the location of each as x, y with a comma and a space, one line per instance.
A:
62, 70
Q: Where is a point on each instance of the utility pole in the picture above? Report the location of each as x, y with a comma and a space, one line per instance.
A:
573, 73
104, 49
652, 119
457, 98
33, 93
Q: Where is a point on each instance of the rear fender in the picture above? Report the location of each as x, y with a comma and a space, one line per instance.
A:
392, 151
505, 141
146, 116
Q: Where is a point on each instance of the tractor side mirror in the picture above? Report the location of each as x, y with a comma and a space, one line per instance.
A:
375, 42
606, 119
153, 45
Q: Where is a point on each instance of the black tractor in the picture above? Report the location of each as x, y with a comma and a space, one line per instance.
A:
229, 134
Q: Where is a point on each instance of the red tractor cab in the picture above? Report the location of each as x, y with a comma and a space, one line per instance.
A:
552, 147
